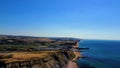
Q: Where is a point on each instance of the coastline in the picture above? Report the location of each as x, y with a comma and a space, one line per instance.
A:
73, 62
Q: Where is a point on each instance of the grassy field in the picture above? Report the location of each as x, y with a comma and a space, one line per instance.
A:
23, 56
26, 56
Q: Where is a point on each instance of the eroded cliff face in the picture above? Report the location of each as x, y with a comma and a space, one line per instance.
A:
56, 60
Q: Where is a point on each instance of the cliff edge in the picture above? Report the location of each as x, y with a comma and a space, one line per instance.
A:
50, 59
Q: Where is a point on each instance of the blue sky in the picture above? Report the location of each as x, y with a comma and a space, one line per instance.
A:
89, 19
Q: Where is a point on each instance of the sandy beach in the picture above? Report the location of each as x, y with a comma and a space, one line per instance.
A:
72, 64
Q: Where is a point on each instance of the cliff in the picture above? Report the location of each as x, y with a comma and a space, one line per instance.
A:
53, 59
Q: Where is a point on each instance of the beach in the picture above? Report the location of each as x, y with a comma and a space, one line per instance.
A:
73, 63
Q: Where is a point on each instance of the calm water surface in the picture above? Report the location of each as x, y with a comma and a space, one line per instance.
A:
102, 54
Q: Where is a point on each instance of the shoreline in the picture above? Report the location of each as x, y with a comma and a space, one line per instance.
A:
73, 62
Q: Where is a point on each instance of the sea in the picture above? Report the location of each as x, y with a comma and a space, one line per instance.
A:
102, 54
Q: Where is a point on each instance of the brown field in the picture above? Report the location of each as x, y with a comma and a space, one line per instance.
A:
23, 56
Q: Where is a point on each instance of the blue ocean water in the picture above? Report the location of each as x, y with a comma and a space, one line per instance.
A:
102, 54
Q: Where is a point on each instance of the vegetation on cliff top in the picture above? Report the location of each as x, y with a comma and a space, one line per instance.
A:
26, 56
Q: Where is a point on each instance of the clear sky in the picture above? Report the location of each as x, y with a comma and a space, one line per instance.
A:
89, 19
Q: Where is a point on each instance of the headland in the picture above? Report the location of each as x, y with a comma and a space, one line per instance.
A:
37, 52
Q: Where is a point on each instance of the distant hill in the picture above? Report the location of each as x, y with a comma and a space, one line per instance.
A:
64, 39
10, 39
